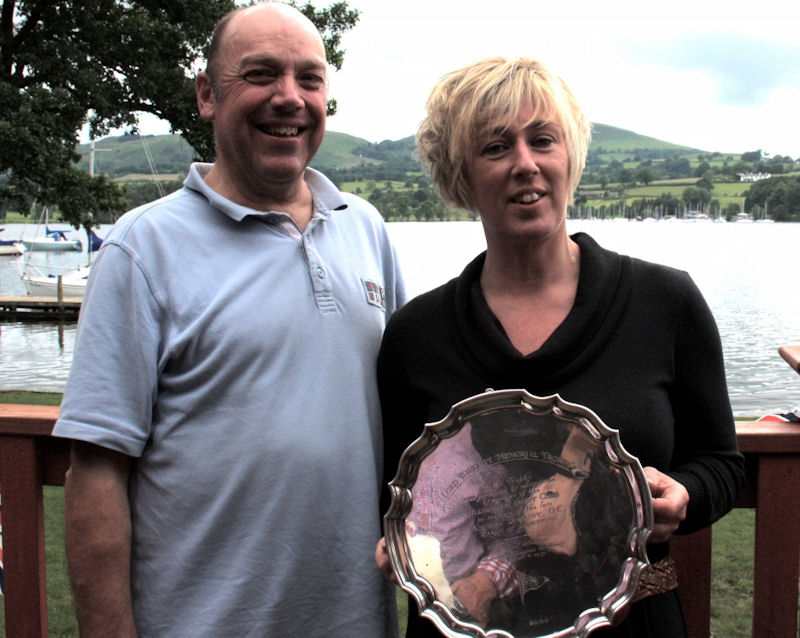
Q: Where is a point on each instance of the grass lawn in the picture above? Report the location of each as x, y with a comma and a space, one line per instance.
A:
30, 398
18, 218
732, 569
732, 561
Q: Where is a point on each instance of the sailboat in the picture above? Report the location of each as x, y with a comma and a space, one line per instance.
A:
763, 218
73, 282
52, 239
39, 284
10, 246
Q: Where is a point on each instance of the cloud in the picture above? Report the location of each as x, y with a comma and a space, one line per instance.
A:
745, 70
710, 75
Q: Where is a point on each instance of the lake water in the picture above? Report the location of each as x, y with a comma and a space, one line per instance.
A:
747, 272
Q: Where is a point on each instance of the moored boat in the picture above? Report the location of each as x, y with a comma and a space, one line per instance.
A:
46, 284
52, 240
55, 239
10, 246
39, 284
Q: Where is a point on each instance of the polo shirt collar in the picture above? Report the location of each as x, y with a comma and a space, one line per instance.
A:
326, 196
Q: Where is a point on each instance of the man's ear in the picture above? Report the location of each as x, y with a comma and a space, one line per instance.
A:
206, 102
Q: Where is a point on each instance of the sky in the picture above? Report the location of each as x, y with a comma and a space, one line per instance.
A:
717, 75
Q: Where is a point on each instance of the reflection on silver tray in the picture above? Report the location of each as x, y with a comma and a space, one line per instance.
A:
532, 494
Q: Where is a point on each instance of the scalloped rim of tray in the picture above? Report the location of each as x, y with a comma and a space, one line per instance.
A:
612, 605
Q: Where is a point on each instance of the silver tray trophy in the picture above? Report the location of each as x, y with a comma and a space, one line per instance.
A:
533, 496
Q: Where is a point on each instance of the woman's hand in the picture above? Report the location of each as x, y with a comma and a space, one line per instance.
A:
670, 499
383, 562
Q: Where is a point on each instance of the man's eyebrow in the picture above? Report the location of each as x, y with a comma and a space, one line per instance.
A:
265, 59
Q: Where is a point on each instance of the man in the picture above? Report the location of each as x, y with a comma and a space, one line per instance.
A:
222, 402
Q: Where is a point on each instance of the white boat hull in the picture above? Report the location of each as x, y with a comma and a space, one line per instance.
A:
11, 249
73, 284
46, 243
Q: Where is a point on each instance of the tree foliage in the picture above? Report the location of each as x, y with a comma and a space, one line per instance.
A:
695, 197
64, 62
645, 175
751, 156
778, 195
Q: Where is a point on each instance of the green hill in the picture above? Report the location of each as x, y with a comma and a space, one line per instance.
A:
610, 139
623, 170
339, 149
125, 157
128, 155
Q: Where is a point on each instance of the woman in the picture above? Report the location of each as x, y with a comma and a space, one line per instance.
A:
553, 313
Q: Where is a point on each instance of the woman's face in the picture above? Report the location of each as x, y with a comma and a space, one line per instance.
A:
519, 177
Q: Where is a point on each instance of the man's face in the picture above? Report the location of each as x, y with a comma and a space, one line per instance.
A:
269, 101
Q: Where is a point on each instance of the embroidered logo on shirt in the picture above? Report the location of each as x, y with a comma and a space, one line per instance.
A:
376, 296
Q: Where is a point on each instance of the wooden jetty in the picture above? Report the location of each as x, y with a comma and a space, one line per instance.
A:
27, 308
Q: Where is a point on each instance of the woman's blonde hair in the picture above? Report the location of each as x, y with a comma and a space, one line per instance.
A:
491, 93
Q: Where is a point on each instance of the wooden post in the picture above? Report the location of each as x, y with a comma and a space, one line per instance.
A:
24, 584
23, 432
777, 547
692, 556
775, 448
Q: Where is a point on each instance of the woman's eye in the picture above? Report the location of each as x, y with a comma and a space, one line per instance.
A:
493, 148
543, 141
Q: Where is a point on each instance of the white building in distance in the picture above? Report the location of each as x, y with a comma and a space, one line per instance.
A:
753, 177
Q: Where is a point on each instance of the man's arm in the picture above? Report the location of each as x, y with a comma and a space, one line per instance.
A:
98, 540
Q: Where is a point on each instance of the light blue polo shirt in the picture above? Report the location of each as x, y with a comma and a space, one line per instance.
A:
234, 358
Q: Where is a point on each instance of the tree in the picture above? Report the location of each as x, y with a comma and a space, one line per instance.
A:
645, 175
666, 204
702, 169
425, 211
61, 60
731, 210
704, 183
751, 156
779, 195
677, 167
625, 178
696, 197
63, 63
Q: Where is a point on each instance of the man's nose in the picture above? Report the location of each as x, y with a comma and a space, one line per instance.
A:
287, 94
